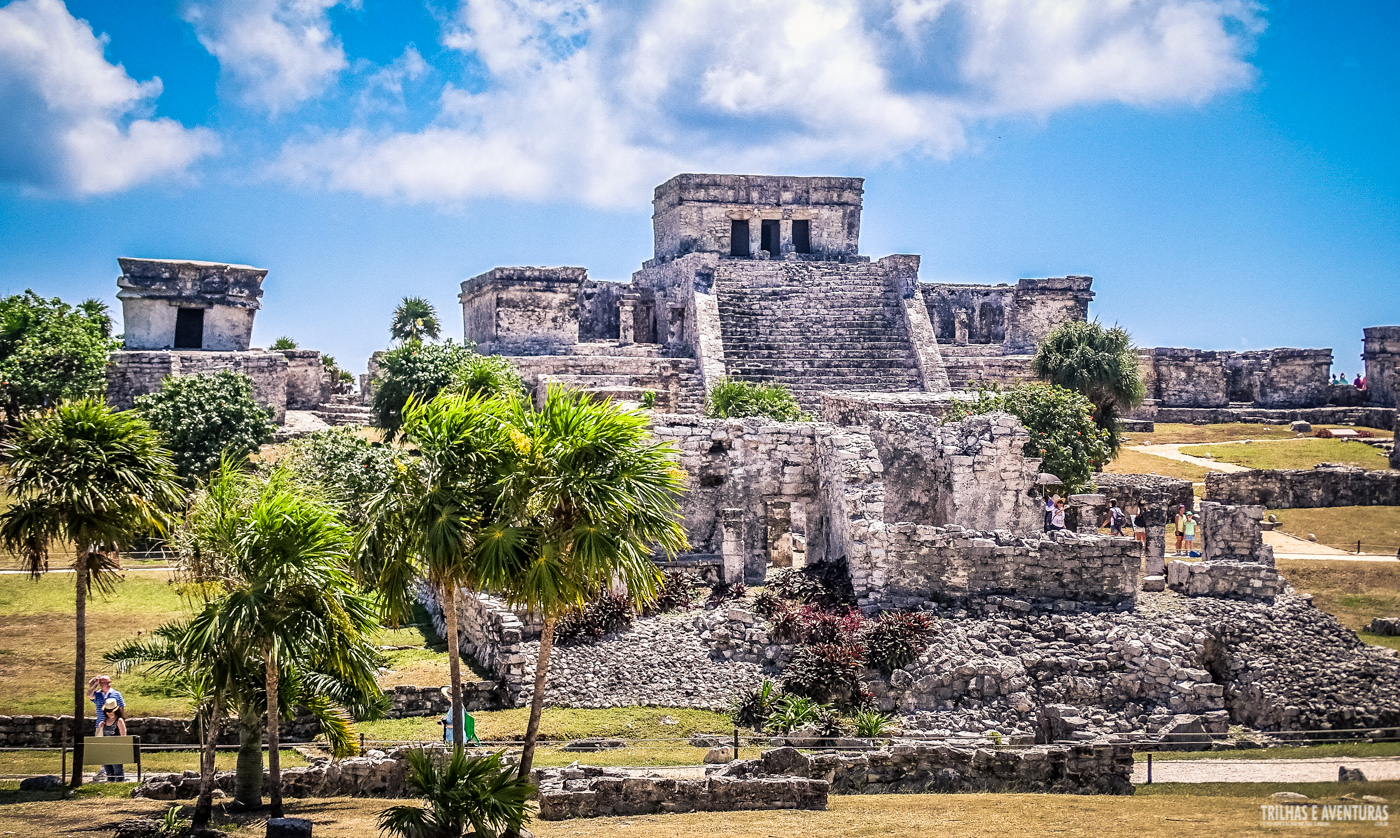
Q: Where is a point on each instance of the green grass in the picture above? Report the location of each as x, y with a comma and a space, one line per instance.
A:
29, 763
1131, 461
562, 724
1169, 434
1329, 792
1376, 527
1304, 453
1341, 749
1354, 592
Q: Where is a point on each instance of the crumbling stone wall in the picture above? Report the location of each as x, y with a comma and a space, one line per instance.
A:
1381, 351
1325, 485
489, 631
523, 310
1269, 378
132, 374
308, 386
1226, 579
583, 791
1184, 377
1232, 533
1014, 318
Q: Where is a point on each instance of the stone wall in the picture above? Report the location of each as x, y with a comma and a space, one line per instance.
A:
1184, 377
1268, 378
846, 408
522, 310
491, 633
1325, 485
1013, 318
1225, 579
925, 564
308, 386
1381, 351
1365, 417
1232, 533
582, 791
132, 374
1090, 768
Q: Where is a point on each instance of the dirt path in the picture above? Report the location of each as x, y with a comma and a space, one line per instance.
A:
1264, 770
1172, 451
1291, 547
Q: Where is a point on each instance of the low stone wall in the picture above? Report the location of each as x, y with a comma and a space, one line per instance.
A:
132, 374
846, 408
49, 731
375, 775
936, 563
1226, 579
588, 792
1233, 533
1364, 417
490, 632
1323, 486
1089, 768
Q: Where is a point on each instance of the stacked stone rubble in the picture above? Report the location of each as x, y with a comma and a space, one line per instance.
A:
1325, 485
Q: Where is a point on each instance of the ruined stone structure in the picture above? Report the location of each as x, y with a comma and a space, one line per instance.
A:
1381, 353
1236, 563
186, 317
1269, 378
1325, 485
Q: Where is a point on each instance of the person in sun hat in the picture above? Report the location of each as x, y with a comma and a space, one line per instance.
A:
446, 720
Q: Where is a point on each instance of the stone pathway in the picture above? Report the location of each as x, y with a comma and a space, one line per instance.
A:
1264, 770
1291, 547
1172, 451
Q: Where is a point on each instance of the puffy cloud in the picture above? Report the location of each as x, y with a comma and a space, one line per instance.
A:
599, 102
278, 53
70, 116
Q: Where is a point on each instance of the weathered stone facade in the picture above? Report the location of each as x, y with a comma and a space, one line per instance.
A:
179, 304
1268, 378
132, 374
1381, 352
1325, 485
1232, 533
1226, 579
308, 386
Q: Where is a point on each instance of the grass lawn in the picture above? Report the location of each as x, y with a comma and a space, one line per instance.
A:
562, 724
1130, 461
1304, 453
28, 763
1163, 810
1168, 434
1376, 527
36, 640
1353, 592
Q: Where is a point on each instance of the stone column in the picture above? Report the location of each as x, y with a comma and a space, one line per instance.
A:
780, 533
1156, 550
731, 523
626, 320
960, 327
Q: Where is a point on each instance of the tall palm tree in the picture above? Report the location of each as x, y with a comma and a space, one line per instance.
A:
414, 319
1101, 363
283, 590
97, 479
427, 523
587, 497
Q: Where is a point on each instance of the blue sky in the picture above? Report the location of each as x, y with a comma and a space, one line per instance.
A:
1227, 171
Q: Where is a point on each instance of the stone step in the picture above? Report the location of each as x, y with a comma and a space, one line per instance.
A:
345, 414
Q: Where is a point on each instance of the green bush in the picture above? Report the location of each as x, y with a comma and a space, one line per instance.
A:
791, 712
1100, 363
50, 351
284, 343
426, 369
734, 399
1061, 424
464, 795
349, 468
828, 673
203, 416
752, 709
871, 724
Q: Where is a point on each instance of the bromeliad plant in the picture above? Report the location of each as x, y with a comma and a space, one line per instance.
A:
464, 795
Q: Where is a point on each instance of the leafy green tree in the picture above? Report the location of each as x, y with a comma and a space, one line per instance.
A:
284, 343
282, 591
50, 351
428, 521
1099, 363
96, 479
586, 498
465, 796
341, 381
735, 399
203, 416
423, 370
350, 469
1061, 424
414, 319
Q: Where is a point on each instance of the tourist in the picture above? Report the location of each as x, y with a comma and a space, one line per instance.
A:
1139, 525
111, 722
1050, 510
1180, 524
1190, 533
1057, 518
468, 723
1342, 379
101, 690
1360, 381
1114, 522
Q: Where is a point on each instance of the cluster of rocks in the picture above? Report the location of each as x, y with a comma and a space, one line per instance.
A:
1228, 579
1385, 626
659, 661
376, 774
589, 792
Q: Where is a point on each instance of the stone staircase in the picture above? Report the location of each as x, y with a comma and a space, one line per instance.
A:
622, 373
345, 410
814, 327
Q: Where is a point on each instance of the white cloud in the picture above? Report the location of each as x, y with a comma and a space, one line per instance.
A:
383, 89
599, 102
70, 116
278, 53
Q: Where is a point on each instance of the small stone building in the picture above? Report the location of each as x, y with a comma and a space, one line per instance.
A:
186, 317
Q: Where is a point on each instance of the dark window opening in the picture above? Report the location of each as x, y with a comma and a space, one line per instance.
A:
738, 238
770, 237
189, 328
802, 236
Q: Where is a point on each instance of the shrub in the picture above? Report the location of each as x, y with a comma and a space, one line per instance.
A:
50, 351
723, 592
649, 400
426, 369
677, 591
1061, 424
895, 639
203, 416
606, 614
463, 794
283, 343
349, 468
791, 712
819, 625
752, 709
830, 723
823, 583
734, 399
826, 672
1099, 363
871, 724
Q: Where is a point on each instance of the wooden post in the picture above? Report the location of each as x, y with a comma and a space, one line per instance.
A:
62, 749
736, 743
362, 744
1149, 769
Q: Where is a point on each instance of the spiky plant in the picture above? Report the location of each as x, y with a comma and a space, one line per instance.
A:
462, 793
1100, 363
415, 319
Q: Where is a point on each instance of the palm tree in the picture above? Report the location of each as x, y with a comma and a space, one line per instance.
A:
283, 591
98, 312
587, 497
414, 319
1100, 363
83, 474
428, 521
462, 793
